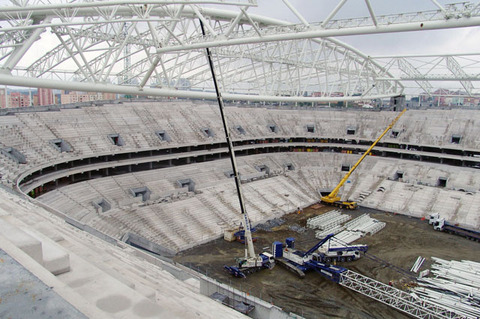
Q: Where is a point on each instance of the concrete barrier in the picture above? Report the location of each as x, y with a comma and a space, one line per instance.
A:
30, 245
55, 259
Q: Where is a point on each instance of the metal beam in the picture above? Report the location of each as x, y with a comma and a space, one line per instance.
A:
457, 71
111, 3
20, 51
111, 88
432, 78
322, 33
395, 298
298, 59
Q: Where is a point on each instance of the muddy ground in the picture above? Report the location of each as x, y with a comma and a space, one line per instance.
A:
399, 243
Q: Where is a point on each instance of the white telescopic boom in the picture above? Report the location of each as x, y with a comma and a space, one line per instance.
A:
249, 250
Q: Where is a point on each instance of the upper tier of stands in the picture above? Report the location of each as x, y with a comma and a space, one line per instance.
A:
137, 126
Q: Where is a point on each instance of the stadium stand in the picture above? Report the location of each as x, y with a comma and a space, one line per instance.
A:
196, 202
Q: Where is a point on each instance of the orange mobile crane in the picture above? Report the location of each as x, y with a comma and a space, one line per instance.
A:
333, 198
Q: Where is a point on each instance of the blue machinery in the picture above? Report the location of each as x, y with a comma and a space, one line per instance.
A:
300, 262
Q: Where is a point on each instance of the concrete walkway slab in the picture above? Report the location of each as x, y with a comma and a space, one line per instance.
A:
23, 295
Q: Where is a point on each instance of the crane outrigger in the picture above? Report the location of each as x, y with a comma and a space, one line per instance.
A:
333, 198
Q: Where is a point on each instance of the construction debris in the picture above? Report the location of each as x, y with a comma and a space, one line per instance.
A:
272, 223
297, 228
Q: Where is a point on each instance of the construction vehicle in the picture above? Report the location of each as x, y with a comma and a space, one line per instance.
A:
441, 224
333, 198
248, 265
340, 253
315, 258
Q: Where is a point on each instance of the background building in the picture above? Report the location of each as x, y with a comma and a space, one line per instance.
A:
18, 99
45, 97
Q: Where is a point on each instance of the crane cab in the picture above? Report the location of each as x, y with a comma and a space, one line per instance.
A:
348, 205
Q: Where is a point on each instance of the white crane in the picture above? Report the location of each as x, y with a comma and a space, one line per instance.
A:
251, 262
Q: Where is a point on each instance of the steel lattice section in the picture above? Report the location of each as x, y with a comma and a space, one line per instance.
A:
393, 297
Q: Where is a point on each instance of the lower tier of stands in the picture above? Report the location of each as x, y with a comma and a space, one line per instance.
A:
178, 216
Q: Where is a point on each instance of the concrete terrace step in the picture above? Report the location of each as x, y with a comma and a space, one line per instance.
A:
41, 249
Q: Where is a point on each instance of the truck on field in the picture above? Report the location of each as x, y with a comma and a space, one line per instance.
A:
441, 224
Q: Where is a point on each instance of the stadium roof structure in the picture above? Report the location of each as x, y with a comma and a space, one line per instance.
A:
156, 48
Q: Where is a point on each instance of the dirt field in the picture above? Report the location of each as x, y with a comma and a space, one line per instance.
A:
400, 243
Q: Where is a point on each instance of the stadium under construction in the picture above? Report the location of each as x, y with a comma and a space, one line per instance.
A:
253, 166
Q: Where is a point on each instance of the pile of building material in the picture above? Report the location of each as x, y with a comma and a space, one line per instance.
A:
269, 224
314, 222
328, 223
354, 229
455, 286
323, 233
349, 236
418, 263
365, 224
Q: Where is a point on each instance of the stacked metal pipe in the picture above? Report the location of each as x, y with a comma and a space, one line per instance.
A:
331, 223
348, 236
314, 222
455, 285
359, 227
338, 220
333, 230
418, 263
355, 223
372, 227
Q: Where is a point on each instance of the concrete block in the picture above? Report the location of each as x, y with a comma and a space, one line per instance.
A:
55, 259
27, 243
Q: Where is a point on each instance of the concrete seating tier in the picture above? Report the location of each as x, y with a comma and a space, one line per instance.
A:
102, 280
42, 250
182, 219
420, 201
86, 129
